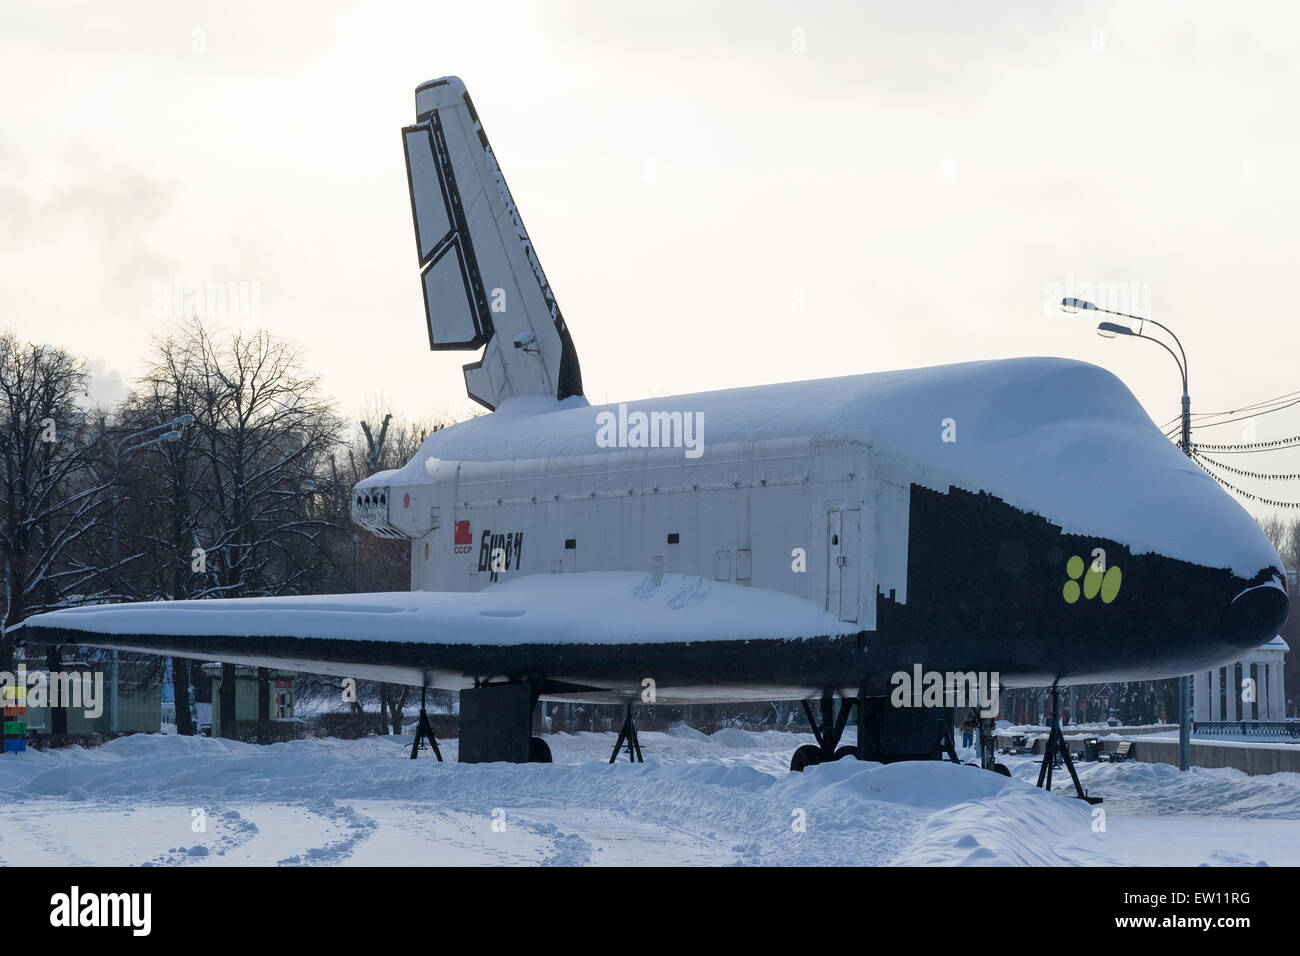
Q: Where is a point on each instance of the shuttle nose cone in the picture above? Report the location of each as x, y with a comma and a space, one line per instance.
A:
1254, 616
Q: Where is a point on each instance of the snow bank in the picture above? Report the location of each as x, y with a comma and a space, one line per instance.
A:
686, 733
696, 800
924, 785
732, 737
1023, 826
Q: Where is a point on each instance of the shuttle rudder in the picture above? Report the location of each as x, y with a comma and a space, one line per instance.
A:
482, 282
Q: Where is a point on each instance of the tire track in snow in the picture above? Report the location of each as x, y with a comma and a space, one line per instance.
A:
356, 826
236, 834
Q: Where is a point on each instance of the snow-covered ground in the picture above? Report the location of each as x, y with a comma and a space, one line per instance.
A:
722, 799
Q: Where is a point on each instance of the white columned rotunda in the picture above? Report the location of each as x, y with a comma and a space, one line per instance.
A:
1219, 694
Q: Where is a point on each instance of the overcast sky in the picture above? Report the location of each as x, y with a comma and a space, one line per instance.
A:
721, 193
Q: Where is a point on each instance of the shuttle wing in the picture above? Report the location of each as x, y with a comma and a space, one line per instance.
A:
583, 628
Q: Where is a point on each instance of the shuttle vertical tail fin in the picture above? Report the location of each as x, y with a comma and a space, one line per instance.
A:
483, 284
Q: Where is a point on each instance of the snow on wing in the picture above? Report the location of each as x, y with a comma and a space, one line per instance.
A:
597, 607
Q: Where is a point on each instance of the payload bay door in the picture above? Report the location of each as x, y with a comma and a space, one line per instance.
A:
843, 543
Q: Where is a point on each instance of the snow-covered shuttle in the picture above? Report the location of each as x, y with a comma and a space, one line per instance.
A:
804, 540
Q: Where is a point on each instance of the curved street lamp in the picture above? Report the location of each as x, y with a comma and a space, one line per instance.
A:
171, 435
1110, 330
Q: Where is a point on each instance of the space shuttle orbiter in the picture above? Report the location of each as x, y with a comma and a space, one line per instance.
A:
800, 540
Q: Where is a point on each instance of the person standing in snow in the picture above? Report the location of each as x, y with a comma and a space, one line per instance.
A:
968, 731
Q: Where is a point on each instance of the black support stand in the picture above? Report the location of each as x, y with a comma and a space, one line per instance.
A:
424, 731
946, 744
1057, 747
828, 732
986, 731
628, 735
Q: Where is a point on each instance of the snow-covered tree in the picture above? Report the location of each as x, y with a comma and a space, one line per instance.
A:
232, 507
51, 494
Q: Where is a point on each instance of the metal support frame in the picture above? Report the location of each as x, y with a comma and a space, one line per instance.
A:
1184, 716
946, 744
1056, 746
627, 734
424, 731
831, 727
986, 735
829, 730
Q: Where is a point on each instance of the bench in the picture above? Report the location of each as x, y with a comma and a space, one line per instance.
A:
1120, 753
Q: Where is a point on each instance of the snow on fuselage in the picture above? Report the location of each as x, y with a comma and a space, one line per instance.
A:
1023, 516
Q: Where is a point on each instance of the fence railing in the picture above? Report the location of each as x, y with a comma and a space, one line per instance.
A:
1289, 729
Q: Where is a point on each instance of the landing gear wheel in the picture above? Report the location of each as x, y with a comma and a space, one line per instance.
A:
846, 751
806, 756
538, 751
1002, 769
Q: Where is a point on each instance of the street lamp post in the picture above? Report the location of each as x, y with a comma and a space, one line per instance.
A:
356, 561
118, 454
1111, 330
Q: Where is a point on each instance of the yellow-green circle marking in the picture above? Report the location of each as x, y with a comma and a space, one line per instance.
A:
1110, 584
1091, 582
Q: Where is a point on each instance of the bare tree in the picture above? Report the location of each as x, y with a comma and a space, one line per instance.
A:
388, 562
241, 491
50, 493
263, 432
166, 530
